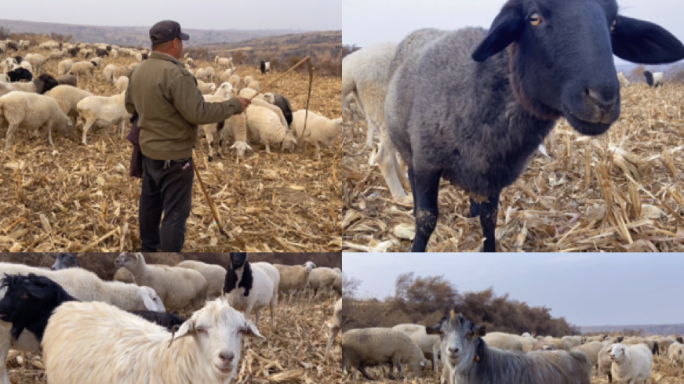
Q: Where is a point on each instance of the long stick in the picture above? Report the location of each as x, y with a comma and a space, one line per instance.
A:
307, 59
209, 201
308, 97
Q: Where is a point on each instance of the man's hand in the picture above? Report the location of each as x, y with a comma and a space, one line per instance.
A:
245, 102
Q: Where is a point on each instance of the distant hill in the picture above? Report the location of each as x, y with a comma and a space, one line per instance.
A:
661, 329
134, 36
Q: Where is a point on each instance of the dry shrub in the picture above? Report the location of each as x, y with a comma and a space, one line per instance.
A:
72, 197
621, 191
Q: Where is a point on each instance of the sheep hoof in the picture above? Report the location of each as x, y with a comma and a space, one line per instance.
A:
210, 159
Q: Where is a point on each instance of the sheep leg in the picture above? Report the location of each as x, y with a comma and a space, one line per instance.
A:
365, 374
391, 172
488, 214
370, 132
86, 127
210, 140
48, 126
268, 149
10, 134
474, 208
4, 351
318, 148
391, 369
331, 340
427, 211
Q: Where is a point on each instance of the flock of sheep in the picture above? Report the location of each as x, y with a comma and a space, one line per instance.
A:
471, 355
471, 106
120, 331
31, 99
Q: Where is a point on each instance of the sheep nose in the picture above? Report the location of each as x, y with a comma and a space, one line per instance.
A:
227, 357
453, 349
603, 100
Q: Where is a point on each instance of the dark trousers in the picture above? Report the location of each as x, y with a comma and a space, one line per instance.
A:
167, 188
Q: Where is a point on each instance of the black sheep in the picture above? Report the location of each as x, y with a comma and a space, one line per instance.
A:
102, 53
284, 104
238, 261
74, 51
493, 96
19, 74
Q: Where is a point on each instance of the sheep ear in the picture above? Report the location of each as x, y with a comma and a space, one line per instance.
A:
506, 28
481, 331
643, 42
188, 328
251, 331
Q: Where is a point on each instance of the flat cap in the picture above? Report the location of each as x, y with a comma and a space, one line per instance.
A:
166, 30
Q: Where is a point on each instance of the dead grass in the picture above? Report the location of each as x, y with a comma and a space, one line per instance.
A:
76, 198
618, 192
293, 352
663, 373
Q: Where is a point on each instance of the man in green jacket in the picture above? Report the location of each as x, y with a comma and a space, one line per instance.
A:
170, 107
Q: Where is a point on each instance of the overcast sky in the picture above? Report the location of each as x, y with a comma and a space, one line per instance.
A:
588, 289
367, 22
315, 15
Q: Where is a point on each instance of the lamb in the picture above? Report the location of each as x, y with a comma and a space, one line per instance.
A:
190, 62
428, 344
67, 98
97, 61
19, 74
24, 44
82, 68
199, 74
250, 288
248, 80
236, 128
294, 277
604, 362
267, 101
223, 93
323, 279
482, 139
470, 360
177, 287
234, 80
67, 80
675, 353
265, 67
591, 350
283, 103
365, 74
206, 87
631, 363
254, 85
503, 341
623, 80
36, 59
319, 129
103, 111
64, 66
335, 326
108, 73
121, 84
214, 274
206, 348
654, 79
265, 126
31, 111
223, 62
65, 261
369, 347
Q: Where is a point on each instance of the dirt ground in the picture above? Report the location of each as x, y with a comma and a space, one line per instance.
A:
72, 197
621, 191
293, 352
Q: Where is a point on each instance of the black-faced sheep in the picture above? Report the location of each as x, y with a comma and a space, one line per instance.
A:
654, 79
265, 67
20, 74
486, 108
251, 287
102, 52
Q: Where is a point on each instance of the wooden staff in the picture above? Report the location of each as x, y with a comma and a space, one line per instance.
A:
209, 201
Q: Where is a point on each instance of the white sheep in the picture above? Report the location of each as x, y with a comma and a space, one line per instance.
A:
365, 73
319, 129
82, 68
67, 98
57, 54
234, 80
247, 93
108, 73
604, 363
675, 353
623, 80
64, 66
177, 287
9, 64
31, 111
267, 101
113, 347
428, 344
210, 73
36, 59
114, 53
503, 341
573, 340
103, 111
206, 88
631, 363
335, 325
294, 277
24, 44
378, 346
254, 85
199, 74
4, 78
97, 61
121, 71
26, 65
323, 279
592, 350
248, 80
223, 93
214, 274
264, 126
263, 291
124, 275
223, 62
121, 84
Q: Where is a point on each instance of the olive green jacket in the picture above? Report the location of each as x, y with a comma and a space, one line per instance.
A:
170, 107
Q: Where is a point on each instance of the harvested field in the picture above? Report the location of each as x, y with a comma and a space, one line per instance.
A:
293, 352
663, 373
72, 197
618, 192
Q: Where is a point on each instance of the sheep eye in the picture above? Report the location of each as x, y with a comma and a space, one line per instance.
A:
612, 26
201, 330
535, 19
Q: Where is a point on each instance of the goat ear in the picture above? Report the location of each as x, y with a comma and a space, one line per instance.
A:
506, 28
38, 292
251, 331
481, 331
643, 42
188, 328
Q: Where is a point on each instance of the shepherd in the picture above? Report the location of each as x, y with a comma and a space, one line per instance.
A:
169, 106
